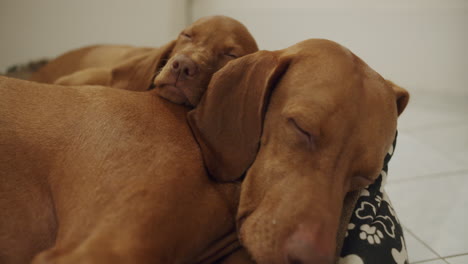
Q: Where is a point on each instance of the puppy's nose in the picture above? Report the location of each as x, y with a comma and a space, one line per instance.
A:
308, 247
184, 66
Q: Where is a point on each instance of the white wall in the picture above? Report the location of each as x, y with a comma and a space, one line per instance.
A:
420, 44
31, 29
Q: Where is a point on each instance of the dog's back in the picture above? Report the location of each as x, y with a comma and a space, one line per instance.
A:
83, 58
27, 223
78, 156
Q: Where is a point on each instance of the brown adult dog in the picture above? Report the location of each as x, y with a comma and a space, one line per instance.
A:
101, 175
308, 125
181, 69
106, 175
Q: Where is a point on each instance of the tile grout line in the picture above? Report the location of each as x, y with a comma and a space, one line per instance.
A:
427, 260
427, 176
454, 256
444, 152
409, 131
424, 243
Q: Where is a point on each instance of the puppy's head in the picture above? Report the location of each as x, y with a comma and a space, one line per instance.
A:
200, 50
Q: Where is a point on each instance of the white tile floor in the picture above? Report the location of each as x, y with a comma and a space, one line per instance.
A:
428, 178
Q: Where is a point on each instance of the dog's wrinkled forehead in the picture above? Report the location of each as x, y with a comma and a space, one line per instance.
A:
216, 25
324, 78
319, 68
221, 32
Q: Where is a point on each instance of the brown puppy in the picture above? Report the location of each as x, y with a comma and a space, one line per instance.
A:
182, 68
309, 124
93, 57
201, 50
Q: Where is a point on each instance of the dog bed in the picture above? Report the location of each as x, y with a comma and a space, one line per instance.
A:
374, 233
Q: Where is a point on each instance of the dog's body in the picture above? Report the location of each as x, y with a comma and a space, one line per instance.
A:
96, 56
181, 69
95, 174
116, 176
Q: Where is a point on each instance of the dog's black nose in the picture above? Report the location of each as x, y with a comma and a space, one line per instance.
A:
184, 66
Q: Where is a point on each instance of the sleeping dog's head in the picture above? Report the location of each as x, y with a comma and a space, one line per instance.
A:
200, 50
305, 126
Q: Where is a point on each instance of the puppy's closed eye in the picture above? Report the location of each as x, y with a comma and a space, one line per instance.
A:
186, 35
231, 55
231, 52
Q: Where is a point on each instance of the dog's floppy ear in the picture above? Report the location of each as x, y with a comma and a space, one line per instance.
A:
229, 119
402, 96
138, 72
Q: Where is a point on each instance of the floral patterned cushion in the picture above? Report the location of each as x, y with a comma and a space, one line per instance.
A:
374, 233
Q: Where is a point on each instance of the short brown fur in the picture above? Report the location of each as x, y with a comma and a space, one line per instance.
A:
206, 46
307, 125
106, 176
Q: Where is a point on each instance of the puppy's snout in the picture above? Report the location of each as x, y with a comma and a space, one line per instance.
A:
308, 246
184, 67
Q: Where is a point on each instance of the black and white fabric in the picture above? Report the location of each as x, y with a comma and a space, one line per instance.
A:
374, 233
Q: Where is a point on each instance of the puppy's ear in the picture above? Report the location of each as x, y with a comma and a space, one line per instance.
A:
228, 121
138, 72
164, 56
402, 96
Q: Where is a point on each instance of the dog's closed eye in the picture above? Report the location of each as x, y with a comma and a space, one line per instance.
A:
304, 134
